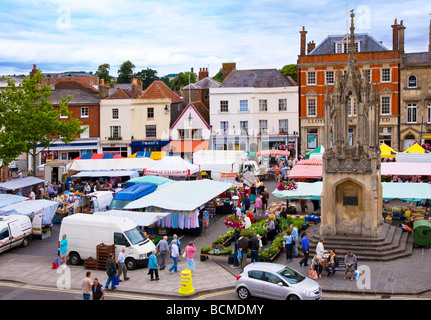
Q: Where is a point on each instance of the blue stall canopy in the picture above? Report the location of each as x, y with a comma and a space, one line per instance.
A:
148, 179
7, 199
142, 188
107, 173
30, 207
17, 184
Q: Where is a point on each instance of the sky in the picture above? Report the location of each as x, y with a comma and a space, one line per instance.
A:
173, 36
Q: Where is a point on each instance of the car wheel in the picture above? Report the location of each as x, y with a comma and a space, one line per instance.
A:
243, 293
293, 297
130, 264
74, 258
25, 242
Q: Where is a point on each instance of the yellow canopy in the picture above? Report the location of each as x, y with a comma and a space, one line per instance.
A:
386, 151
416, 148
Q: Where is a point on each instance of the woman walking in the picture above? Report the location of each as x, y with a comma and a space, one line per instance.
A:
190, 253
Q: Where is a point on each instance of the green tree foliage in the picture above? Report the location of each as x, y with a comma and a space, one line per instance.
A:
148, 76
28, 120
103, 72
125, 73
183, 79
219, 76
290, 70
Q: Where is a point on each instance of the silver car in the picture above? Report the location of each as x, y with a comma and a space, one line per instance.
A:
276, 281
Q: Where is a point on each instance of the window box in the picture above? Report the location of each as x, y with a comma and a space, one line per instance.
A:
115, 138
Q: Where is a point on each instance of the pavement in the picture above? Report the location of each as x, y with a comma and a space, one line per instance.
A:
405, 276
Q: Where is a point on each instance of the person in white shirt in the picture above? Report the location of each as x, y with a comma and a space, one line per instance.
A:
320, 249
122, 269
174, 255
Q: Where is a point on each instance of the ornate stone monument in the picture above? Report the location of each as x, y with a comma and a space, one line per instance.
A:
352, 192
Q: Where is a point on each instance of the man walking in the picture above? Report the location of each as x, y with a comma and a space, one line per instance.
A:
243, 247
174, 255
163, 248
254, 250
295, 238
122, 269
98, 290
86, 286
111, 271
305, 243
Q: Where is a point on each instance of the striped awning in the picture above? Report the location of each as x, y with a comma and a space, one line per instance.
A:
98, 156
155, 155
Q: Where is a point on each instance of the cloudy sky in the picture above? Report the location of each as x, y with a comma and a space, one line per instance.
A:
174, 36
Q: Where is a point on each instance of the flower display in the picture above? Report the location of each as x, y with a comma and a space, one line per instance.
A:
233, 222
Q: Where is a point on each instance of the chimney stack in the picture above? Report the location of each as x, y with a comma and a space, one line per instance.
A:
429, 42
310, 46
401, 37
203, 73
33, 71
395, 45
303, 41
227, 68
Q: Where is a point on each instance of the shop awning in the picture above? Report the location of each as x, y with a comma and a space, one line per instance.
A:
143, 219
17, 184
155, 155
387, 152
267, 153
7, 199
306, 171
107, 173
406, 169
96, 156
188, 146
28, 208
182, 195
112, 164
319, 150
172, 166
310, 162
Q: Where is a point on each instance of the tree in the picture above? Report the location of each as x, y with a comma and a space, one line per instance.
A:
219, 76
147, 76
290, 70
29, 120
103, 72
125, 73
183, 79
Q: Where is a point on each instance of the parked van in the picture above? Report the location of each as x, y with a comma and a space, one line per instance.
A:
137, 191
15, 230
85, 232
101, 200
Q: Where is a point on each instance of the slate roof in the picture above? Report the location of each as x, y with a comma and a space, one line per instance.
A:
417, 59
79, 97
205, 83
72, 84
258, 78
368, 44
159, 90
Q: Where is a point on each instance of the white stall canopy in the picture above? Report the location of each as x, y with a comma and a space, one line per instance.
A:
29, 208
107, 173
143, 219
17, 184
112, 164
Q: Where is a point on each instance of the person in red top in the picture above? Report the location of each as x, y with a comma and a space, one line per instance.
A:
190, 253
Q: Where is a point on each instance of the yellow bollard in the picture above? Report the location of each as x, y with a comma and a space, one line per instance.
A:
186, 282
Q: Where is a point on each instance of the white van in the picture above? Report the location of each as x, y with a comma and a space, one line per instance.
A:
15, 230
101, 200
85, 232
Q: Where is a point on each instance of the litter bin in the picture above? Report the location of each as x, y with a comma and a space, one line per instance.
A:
422, 233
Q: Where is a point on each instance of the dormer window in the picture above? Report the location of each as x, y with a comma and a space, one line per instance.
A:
342, 46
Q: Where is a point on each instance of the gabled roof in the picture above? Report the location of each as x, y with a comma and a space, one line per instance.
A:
368, 44
73, 84
79, 97
205, 83
159, 90
200, 109
259, 78
119, 94
417, 59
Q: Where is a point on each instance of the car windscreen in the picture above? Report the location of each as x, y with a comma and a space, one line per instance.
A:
291, 276
135, 235
118, 204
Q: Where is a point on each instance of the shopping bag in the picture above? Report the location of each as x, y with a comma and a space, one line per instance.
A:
55, 265
312, 274
116, 281
356, 275
239, 254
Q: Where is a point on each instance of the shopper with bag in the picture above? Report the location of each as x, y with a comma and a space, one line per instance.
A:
111, 271
315, 268
189, 254
243, 249
153, 266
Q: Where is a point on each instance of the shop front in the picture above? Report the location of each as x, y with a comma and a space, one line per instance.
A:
148, 145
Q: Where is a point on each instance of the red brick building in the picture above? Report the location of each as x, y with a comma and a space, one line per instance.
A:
318, 66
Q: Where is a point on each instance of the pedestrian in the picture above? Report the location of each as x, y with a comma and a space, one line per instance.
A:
62, 248
243, 247
289, 239
175, 237
258, 206
246, 219
111, 271
190, 253
55, 187
86, 286
50, 192
153, 266
98, 290
174, 255
265, 199
320, 249
122, 269
246, 203
295, 238
32, 195
272, 231
350, 261
254, 249
315, 265
41, 192
163, 248
87, 188
305, 244
331, 263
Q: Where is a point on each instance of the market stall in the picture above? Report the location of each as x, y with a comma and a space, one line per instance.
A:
155, 155
272, 153
107, 174
387, 152
172, 166
7, 199
148, 179
17, 184
307, 169
112, 164
98, 156
142, 219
